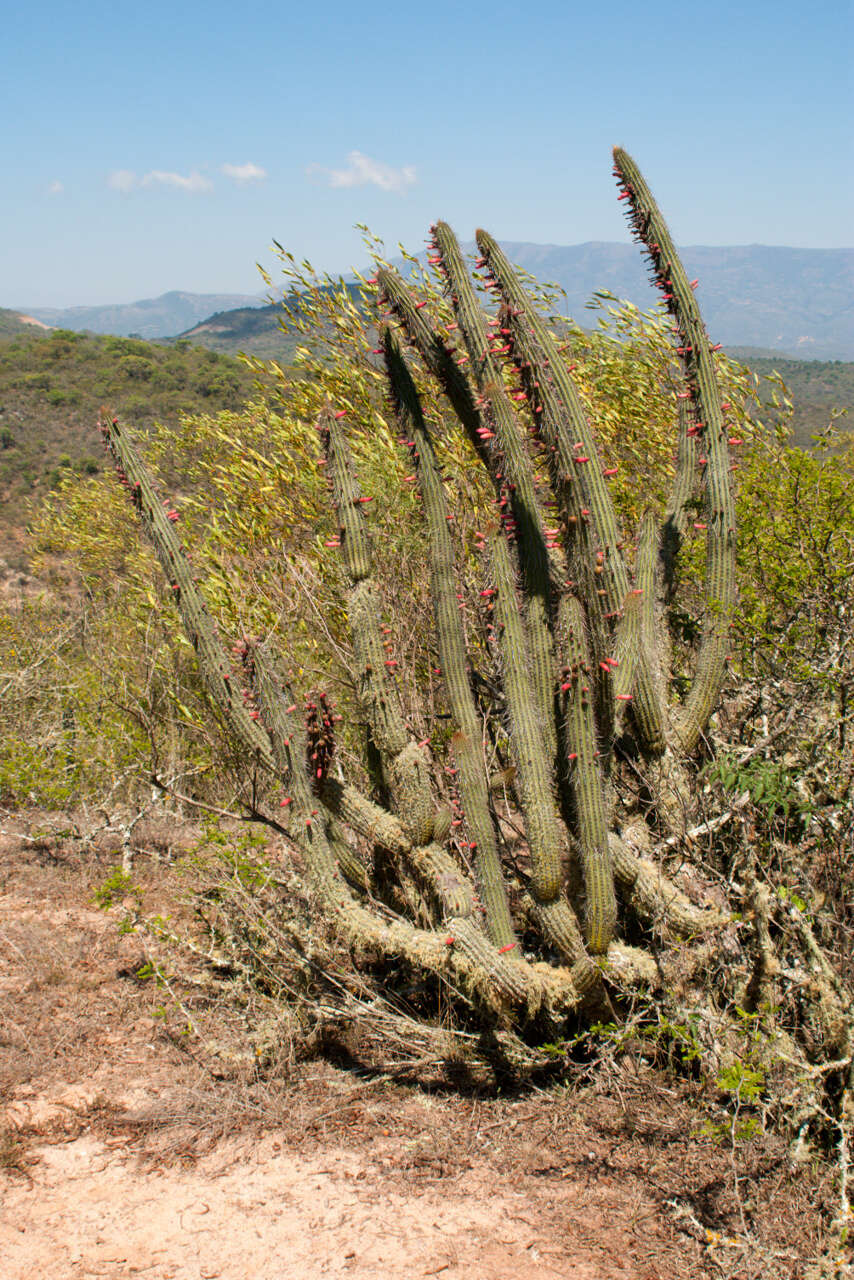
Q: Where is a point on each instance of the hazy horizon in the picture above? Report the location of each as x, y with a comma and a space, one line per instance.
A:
259, 293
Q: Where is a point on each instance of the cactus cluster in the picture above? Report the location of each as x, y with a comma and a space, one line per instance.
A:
577, 628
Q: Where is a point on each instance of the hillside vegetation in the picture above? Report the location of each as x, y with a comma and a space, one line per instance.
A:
12, 323
818, 389
253, 330
52, 385
268, 333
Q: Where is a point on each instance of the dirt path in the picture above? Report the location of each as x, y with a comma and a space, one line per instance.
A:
249, 1210
121, 1155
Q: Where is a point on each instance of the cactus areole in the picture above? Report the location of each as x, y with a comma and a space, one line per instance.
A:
534, 942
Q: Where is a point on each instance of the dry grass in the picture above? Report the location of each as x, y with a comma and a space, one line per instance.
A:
619, 1156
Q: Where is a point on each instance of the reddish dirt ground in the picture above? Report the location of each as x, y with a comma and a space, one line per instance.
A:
123, 1152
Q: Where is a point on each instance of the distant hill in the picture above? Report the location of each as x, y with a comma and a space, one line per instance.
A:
12, 322
254, 331
52, 385
796, 301
149, 318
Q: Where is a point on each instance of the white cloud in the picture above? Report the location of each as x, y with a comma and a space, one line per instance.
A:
125, 180
362, 171
193, 182
55, 188
242, 173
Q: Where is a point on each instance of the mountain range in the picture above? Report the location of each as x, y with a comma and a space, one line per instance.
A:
150, 318
796, 301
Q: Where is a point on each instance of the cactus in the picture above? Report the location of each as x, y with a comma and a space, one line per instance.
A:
577, 632
709, 430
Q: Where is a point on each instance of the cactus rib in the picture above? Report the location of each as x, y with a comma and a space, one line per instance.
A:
701, 381
404, 764
576, 705
521, 510
561, 421
451, 644
189, 600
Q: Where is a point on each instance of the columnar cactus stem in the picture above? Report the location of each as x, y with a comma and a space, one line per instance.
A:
576, 706
676, 516
521, 511
404, 764
563, 427
527, 744
438, 358
532, 760
496, 982
653, 645
626, 650
702, 386
188, 599
451, 643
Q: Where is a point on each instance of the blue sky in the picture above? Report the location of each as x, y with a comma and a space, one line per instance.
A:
155, 146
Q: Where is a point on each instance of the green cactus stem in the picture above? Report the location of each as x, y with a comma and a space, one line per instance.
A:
626, 649
653, 643
676, 516
534, 780
520, 510
702, 387
580, 486
585, 774
527, 744
404, 763
213, 664
451, 645
439, 359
